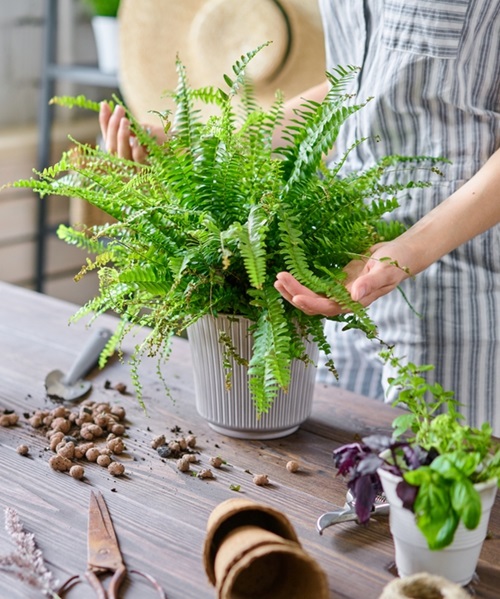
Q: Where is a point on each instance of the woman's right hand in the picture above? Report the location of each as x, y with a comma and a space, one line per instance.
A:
119, 139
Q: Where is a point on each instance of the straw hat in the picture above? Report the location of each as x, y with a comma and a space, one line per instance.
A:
209, 36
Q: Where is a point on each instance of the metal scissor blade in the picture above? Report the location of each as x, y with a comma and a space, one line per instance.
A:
344, 515
103, 551
348, 512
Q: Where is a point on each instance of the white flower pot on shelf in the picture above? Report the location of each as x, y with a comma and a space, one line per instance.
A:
232, 411
458, 561
106, 34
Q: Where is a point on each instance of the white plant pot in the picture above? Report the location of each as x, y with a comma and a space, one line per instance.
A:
232, 412
458, 561
106, 34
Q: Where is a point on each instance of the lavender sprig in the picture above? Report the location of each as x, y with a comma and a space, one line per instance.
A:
26, 561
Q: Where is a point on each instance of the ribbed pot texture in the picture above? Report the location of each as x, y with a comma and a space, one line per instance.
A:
232, 412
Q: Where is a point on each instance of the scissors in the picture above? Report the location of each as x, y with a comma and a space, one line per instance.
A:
104, 555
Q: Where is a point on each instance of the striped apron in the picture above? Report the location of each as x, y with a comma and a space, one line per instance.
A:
433, 69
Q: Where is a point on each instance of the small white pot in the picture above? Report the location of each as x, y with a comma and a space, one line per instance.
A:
232, 412
458, 561
106, 34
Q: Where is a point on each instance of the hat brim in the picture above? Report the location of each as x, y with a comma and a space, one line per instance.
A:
209, 36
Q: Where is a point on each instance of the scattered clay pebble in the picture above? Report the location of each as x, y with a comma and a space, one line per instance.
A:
104, 460
190, 457
92, 454
116, 445
121, 388
116, 469
118, 412
61, 424
216, 462
292, 466
261, 480
118, 429
60, 463
183, 465
9, 419
67, 450
36, 421
205, 473
77, 471
157, 441
191, 441
23, 450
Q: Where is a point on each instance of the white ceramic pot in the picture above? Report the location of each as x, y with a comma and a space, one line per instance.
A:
232, 411
106, 34
458, 561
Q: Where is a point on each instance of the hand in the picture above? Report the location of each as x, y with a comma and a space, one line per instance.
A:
367, 280
119, 139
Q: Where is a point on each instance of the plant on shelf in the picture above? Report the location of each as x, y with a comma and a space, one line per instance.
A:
205, 226
438, 464
102, 8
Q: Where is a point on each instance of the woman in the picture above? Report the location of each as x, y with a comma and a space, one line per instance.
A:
433, 69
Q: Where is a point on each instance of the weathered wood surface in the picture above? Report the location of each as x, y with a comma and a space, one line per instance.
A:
159, 513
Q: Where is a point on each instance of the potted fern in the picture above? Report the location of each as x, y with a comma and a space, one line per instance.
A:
440, 477
204, 227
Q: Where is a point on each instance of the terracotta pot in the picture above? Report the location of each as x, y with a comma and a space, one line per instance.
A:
458, 561
231, 411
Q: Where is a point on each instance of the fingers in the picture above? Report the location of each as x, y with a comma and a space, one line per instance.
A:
288, 286
104, 116
124, 139
316, 305
303, 298
112, 129
115, 129
117, 135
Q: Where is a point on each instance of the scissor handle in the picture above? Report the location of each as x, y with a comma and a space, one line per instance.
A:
161, 592
114, 584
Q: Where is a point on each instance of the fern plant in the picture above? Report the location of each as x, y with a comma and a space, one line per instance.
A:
216, 213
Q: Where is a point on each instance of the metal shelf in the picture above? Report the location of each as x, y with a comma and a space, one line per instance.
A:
84, 74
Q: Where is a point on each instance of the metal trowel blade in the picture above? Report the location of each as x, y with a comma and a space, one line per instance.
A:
58, 389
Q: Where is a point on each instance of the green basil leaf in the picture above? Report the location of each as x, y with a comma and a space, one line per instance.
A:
438, 529
419, 476
466, 503
445, 466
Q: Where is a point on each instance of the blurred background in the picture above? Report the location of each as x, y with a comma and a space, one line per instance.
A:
31, 133
126, 47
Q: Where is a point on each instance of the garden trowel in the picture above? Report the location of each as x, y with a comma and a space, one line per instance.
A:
71, 386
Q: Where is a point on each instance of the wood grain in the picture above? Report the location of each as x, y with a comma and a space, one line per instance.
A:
159, 513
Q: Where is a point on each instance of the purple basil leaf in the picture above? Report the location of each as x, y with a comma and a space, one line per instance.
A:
415, 456
369, 464
364, 492
347, 457
378, 443
407, 493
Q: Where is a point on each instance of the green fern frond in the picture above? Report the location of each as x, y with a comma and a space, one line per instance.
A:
80, 239
269, 368
252, 237
80, 101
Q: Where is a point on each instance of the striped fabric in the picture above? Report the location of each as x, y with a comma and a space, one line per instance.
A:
433, 68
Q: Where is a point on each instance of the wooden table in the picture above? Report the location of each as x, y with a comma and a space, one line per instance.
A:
158, 512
